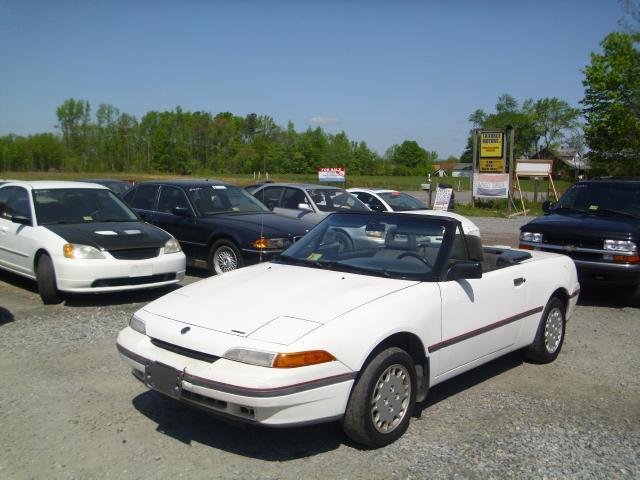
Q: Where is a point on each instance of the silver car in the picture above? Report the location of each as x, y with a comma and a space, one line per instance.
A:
311, 203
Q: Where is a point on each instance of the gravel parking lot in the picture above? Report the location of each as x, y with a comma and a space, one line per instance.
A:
69, 408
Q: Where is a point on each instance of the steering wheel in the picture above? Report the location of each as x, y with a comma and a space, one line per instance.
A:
415, 255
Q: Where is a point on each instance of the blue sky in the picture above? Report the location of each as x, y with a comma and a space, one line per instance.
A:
382, 71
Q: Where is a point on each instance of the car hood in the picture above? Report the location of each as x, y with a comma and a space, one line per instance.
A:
242, 301
112, 235
268, 223
585, 225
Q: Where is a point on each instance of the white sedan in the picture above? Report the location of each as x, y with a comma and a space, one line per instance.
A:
79, 237
356, 334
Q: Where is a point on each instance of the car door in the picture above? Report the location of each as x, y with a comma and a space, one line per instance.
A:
175, 215
143, 201
479, 316
291, 200
270, 196
17, 240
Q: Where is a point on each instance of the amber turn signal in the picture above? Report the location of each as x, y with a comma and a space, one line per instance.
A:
626, 258
302, 359
525, 247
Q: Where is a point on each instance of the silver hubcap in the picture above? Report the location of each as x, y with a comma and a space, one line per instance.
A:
224, 260
391, 398
553, 330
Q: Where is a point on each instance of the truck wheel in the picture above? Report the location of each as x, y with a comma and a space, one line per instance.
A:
46, 277
382, 399
224, 257
550, 335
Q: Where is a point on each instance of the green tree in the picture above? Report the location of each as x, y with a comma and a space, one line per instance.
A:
552, 119
612, 105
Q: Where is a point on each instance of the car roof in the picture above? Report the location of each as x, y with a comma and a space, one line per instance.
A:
191, 182
373, 190
53, 184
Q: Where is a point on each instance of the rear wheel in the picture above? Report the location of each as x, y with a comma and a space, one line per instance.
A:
550, 335
224, 257
382, 400
46, 277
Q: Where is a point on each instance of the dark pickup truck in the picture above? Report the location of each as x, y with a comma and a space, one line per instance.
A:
596, 223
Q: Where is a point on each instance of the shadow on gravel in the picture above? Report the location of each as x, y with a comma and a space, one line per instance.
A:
5, 316
117, 298
187, 425
18, 281
470, 379
608, 296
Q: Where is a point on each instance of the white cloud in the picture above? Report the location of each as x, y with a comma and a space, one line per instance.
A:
323, 120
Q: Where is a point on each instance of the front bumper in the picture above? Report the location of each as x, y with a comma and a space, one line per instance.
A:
110, 274
608, 273
248, 393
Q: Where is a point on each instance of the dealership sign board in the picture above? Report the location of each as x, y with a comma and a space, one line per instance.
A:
331, 174
491, 144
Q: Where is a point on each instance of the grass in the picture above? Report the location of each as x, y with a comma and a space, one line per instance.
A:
496, 208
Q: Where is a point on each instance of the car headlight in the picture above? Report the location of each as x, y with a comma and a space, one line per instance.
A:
172, 246
138, 325
81, 252
531, 237
268, 243
278, 360
620, 246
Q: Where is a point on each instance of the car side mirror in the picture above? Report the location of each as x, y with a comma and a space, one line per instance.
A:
271, 205
462, 269
304, 206
21, 219
548, 206
182, 211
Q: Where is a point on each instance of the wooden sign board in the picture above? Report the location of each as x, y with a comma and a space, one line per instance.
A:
534, 168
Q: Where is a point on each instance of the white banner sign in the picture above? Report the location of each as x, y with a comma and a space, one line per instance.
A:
491, 185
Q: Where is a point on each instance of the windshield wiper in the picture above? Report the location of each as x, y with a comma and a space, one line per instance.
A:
611, 211
570, 209
288, 259
344, 267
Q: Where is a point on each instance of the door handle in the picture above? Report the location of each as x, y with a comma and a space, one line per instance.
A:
518, 281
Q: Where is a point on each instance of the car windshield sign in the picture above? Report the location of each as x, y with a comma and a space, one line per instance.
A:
387, 245
602, 199
79, 205
215, 199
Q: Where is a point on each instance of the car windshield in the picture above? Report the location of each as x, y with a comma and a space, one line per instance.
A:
215, 199
335, 200
79, 205
401, 202
378, 244
603, 199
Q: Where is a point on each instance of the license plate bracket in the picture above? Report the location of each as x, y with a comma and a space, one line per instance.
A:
164, 379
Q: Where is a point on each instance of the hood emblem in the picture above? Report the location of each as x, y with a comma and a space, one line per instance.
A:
185, 330
570, 248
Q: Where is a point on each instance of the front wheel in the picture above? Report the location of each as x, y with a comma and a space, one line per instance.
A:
382, 400
46, 277
550, 335
224, 257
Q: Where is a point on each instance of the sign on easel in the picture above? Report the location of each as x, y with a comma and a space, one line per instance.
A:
443, 197
534, 169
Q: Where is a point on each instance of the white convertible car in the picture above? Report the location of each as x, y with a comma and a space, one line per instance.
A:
358, 334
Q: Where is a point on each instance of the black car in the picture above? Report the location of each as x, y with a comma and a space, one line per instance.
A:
219, 226
597, 223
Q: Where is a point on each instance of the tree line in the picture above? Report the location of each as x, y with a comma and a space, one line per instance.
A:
183, 142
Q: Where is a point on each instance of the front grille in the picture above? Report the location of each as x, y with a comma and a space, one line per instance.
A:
135, 253
126, 281
595, 243
187, 352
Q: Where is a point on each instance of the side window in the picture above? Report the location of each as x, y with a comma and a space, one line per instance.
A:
128, 197
459, 249
376, 205
292, 197
170, 198
145, 196
270, 196
19, 203
364, 197
4, 200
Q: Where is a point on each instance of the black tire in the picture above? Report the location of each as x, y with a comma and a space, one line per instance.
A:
345, 244
46, 277
550, 335
364, 421
224, 257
